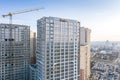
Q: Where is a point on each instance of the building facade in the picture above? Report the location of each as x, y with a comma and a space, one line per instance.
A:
32, 72
33, 47
57, 49
14, 52
84, 53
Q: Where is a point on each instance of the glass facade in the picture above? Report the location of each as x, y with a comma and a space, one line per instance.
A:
32, 72
14, 52
57, 49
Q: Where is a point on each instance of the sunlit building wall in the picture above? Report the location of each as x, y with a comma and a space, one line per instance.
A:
84, 53
57, 49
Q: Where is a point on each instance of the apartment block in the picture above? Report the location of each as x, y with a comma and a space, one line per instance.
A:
14, 52
32, 72
84, 53
58, 43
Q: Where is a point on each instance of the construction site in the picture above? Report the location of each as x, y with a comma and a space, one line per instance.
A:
15, 49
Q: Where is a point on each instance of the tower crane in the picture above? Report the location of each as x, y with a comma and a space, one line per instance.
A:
10, 14
10, 59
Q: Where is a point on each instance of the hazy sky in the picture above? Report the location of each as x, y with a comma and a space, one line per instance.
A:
101, 16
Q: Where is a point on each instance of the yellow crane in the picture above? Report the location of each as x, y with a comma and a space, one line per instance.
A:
10, 14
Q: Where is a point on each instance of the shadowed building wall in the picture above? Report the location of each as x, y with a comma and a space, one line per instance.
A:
14, 52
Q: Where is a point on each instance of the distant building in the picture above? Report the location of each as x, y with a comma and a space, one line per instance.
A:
84, 53
14, 52
33, 47
57, 49
33, 72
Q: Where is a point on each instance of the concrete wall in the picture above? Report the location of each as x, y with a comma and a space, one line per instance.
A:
84, 53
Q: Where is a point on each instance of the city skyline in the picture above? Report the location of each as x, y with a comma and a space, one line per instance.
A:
101, 16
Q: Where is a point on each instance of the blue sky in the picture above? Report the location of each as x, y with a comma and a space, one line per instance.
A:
101, 16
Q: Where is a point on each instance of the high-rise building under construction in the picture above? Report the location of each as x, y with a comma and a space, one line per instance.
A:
14, 52
57, 49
